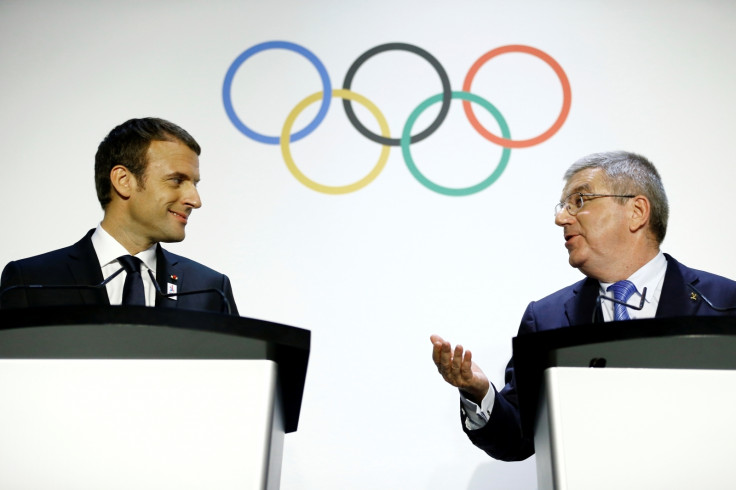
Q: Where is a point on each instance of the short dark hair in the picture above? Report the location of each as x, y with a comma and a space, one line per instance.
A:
127, 145
629, 173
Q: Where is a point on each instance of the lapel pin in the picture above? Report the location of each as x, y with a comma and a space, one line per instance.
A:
693, 296
171, 286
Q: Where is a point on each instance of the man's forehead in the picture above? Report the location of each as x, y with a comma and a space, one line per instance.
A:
172, 156
586, 180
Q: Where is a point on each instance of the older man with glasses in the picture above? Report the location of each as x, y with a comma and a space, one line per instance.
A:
614, 215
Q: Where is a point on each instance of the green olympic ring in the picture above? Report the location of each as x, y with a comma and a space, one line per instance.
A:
453, 191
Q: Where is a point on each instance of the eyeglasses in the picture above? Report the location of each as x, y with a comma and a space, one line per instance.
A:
575, 202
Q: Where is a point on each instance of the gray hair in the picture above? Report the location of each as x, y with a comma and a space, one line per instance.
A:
629, 173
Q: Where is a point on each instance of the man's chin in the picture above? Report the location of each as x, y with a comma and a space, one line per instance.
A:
575, 262
173, 238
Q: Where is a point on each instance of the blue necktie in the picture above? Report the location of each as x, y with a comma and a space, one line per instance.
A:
622, 291
133, 287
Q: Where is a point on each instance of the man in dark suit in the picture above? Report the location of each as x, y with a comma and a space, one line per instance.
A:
614, 215
146, 173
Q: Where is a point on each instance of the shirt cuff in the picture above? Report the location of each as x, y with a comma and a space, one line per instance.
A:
476, 416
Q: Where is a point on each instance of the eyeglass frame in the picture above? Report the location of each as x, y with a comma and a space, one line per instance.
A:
581, 195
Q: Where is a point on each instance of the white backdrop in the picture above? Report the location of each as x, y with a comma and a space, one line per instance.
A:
374, 272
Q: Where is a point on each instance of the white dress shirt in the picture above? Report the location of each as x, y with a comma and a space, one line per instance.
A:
650, 276
108, 250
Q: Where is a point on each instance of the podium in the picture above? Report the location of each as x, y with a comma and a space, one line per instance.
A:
148, 398
640, 404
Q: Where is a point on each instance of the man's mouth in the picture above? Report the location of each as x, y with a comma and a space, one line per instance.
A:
181, 217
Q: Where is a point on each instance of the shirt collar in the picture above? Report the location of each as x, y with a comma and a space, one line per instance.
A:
648, 276
108, 249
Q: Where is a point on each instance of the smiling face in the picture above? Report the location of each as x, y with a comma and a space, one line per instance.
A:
598, 238
158, 208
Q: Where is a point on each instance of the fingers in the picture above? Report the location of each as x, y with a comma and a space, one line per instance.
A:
444, 364
457, 359
466, 368
441, 354
449, 361
437, 345
457, 368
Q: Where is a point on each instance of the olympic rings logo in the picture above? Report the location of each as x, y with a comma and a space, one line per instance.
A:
286, 137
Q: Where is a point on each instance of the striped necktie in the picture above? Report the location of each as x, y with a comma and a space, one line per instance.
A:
622, 291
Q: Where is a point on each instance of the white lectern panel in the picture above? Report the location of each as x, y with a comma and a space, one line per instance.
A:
648, 429
138, 424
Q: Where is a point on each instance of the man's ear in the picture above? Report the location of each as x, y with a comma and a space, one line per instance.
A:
122, 180
640, 210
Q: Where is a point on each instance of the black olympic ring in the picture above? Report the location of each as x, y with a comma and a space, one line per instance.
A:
446, 92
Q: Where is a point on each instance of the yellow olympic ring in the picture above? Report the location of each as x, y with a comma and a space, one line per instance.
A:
330, 189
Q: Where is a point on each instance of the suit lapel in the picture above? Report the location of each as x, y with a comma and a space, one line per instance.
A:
167, 271
677, 299
580, 308
84, 267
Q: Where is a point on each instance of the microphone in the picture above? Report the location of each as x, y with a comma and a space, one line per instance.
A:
112, 276
222, 295
17, 287
708, 302
613, 300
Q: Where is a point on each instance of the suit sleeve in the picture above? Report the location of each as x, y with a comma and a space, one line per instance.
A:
12, 276
228, 290
501, 437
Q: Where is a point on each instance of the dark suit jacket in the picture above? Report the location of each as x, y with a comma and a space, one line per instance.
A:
78, 265
575, 305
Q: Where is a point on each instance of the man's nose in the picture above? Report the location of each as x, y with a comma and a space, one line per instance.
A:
191, 198
563, 217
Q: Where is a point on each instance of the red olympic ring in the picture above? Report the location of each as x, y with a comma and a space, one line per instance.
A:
566, 96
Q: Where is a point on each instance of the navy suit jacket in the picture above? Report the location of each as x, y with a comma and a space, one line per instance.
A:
78, 265
575, 305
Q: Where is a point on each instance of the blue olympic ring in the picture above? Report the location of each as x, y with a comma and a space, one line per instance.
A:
227, 90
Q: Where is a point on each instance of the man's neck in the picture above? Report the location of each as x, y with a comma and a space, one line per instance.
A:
627, 267
132, 243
